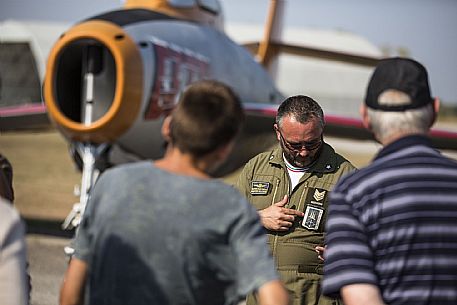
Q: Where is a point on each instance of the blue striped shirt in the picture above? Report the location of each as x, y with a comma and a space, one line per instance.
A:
394, 224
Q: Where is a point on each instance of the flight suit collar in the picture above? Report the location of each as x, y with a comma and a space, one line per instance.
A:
326, 162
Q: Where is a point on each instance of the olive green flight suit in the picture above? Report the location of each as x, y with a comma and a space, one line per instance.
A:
264, 181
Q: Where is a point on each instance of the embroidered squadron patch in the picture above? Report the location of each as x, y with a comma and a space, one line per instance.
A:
260, 187
317, 196
312, 218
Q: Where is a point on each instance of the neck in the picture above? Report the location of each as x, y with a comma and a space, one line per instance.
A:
292, 167
177, 162
386, 141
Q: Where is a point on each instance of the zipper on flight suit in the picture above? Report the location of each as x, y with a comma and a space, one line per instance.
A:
275, 240
305, 186
274, 193
272, 202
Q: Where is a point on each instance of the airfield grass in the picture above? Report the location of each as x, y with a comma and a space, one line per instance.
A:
45, 176
43, 173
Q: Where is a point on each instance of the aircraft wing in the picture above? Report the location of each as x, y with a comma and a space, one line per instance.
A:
352, 128
24, 117
319, 53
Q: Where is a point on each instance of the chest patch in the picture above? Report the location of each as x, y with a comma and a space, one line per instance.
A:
260, 188
316, 196
312, 218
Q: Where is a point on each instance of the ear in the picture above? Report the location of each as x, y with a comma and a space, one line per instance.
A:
276, 128
166, 128
365, 119
436, 108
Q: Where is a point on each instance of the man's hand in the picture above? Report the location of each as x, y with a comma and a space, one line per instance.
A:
278, 218
273, 293
320, 252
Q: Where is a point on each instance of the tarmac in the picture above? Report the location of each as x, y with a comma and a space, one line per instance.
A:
47, 265
43, 173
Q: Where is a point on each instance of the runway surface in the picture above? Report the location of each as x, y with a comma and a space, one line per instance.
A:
47, 264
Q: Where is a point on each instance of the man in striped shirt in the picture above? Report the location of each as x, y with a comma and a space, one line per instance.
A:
392, 226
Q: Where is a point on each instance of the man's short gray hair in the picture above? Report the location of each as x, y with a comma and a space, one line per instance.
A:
386, 124
303, 108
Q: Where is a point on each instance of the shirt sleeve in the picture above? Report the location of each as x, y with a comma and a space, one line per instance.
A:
84, 234
243, 181
13, 273
348, 257
255, 265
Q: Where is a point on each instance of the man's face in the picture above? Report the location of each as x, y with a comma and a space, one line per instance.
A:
300, 143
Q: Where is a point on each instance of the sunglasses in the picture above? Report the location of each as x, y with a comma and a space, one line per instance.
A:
298, 147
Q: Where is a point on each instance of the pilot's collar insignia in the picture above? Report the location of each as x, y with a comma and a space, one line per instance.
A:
260, 188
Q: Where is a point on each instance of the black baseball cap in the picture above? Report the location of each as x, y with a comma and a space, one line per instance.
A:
402, 74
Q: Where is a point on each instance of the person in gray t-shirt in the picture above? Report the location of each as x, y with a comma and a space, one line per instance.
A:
164, 232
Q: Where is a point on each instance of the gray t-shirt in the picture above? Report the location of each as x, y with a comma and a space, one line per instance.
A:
152, 237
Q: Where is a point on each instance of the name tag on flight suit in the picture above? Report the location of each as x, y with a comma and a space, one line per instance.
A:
314, 208
260, 187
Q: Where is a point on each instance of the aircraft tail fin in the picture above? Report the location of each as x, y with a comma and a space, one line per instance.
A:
272, 45
273, 31
277, 47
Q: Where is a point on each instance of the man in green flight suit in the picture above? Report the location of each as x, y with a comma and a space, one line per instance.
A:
289, 186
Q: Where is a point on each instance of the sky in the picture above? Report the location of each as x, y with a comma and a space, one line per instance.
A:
427, 29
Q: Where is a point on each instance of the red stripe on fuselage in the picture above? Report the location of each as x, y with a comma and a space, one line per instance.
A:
22, 110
